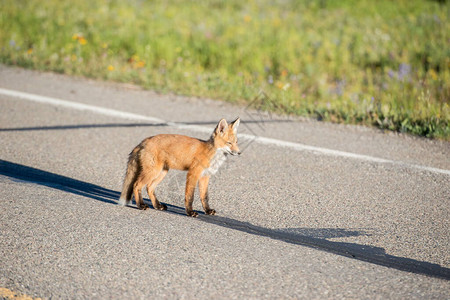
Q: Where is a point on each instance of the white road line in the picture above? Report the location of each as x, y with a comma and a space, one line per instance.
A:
78, 106
257, 139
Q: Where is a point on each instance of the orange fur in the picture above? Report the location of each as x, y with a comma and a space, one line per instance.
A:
150, 161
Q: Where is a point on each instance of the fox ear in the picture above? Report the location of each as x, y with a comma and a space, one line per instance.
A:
220, 128
235, 124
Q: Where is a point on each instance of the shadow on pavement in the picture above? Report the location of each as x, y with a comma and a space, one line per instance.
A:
120, 125
311, 237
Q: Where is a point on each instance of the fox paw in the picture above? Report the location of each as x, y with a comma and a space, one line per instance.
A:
193, 214
161, 207
210, 212
143, 206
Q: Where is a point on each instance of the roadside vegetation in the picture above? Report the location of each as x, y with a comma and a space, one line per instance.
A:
382, 63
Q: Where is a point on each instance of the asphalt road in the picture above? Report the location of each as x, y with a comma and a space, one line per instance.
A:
309, 210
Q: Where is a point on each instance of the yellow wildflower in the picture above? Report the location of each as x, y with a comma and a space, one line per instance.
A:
140, 64
433, 74
82, 41
247, 19
276, 22
110, 68
283, 86
79, 37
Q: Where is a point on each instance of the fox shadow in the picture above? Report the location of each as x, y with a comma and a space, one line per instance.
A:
316, 238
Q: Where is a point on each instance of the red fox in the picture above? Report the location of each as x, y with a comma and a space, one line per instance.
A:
150, 161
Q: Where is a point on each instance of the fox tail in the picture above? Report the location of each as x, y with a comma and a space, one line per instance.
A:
130, 177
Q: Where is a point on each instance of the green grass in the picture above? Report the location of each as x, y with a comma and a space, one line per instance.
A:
383, 63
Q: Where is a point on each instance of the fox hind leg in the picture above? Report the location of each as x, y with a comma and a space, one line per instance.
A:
150, 174
137, 190
151, 190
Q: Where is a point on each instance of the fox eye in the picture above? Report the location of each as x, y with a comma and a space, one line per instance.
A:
228, 143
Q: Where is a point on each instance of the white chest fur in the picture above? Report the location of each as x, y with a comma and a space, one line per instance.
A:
218, 159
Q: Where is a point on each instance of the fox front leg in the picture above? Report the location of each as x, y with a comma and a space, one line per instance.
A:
203, 189
191, 181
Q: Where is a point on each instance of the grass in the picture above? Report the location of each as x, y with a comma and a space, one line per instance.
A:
383, 63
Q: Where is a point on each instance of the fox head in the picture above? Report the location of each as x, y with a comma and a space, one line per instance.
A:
225, 136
